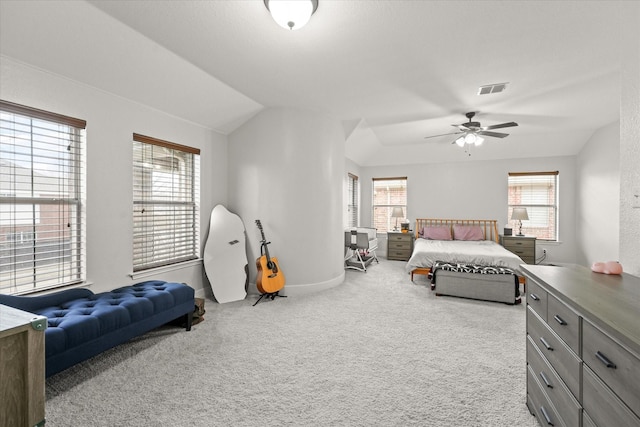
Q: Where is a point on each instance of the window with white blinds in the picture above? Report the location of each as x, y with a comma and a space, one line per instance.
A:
354, 197
388, 193
166, 202
538, 193
42, 194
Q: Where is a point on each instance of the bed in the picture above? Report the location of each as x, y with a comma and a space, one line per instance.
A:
470, 262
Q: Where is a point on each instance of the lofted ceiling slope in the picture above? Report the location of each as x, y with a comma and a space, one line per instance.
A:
394, 71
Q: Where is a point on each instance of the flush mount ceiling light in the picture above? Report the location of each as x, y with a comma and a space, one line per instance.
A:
291, 14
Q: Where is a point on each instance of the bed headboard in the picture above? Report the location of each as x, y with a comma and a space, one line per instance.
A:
489, 226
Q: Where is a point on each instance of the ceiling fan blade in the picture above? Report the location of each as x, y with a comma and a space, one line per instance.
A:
444, 134
503, 125
493, 134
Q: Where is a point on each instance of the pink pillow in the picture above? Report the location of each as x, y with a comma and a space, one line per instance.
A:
439, 232
467, 232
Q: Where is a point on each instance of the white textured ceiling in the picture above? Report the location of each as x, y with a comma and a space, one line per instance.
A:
393, 71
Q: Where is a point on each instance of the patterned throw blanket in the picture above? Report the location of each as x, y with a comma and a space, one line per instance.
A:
469, 268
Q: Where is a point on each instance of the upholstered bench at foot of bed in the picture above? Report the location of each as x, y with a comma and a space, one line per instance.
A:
487, 287
427, 272
82, 324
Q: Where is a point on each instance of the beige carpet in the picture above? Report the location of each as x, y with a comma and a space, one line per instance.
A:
377, 350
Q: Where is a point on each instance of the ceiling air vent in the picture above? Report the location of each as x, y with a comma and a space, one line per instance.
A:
494, 88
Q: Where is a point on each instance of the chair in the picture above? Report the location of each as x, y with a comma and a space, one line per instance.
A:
360, 248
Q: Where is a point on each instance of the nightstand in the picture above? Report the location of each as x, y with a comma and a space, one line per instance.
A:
399, 245
523, 246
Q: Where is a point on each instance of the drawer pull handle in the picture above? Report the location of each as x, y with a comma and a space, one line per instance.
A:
560, 320
535, 297
604, 359
545, 379
546, 344
547, 418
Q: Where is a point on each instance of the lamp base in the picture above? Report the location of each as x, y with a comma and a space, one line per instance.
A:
519, 235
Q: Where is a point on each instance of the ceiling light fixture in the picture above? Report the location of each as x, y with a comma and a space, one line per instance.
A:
291, 14
469, 138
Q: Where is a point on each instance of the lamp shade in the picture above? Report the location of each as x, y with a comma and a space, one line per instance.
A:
519, 214
397, 213
291, 14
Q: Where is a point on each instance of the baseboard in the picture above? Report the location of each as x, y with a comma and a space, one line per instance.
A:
303, 288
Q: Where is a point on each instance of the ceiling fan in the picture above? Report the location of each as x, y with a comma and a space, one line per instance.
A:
472, 132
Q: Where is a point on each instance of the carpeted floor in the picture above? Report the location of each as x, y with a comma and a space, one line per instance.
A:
377, 350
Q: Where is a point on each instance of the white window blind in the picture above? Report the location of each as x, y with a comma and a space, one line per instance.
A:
166, 202
538, 193
42, 185
354, 197
388, 193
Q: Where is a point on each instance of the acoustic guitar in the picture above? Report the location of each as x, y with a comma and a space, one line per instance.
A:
270, 278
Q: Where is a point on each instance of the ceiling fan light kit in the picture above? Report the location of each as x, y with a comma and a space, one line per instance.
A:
291, 14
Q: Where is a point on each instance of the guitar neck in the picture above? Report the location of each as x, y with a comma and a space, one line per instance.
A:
264, 240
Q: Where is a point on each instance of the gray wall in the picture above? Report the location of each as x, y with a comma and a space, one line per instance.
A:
477, 189
111, 121
285, 169
598, 197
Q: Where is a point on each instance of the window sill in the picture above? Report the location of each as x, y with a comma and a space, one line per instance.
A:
53, 289
166, 268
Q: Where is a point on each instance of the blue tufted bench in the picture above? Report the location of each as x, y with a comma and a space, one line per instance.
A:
82, 324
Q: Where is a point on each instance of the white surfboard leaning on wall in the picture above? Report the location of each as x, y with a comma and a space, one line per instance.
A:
225, 256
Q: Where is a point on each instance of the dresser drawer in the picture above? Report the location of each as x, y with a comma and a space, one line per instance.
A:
521, 252
518, 242
401, 255
622, 374
527, 259
537, 298
566, 404
559, 355
399, 237
406, 245
602, 405
539, 404
565, 322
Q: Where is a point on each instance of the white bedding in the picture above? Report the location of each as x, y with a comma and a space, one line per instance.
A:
483, 252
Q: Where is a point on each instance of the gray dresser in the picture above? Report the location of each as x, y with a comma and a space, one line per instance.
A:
523, 246
399, 245
583, 347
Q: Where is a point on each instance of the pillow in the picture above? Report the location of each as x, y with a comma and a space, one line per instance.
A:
468, 232
438, 232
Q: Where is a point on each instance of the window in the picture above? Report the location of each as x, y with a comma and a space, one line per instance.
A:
166, 202
42, 181
388, 193
538, 193
354, 196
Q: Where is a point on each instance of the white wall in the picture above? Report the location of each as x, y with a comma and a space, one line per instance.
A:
598, 197
111, 121
477, 189
285, 169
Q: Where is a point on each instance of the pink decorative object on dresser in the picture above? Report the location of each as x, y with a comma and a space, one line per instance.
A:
609, 267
